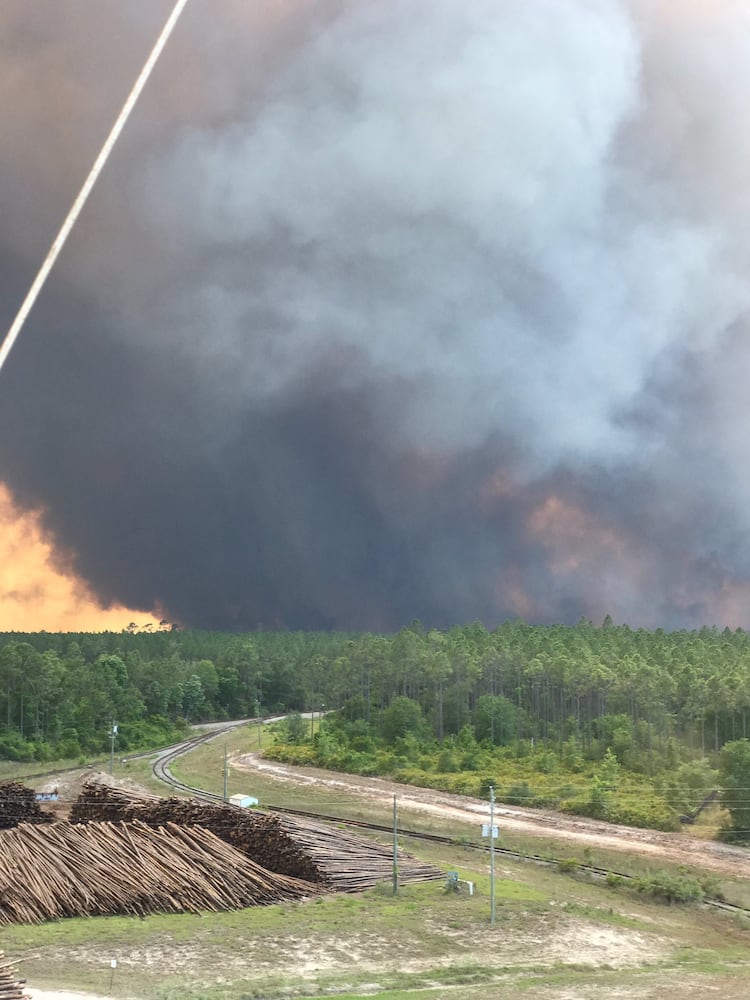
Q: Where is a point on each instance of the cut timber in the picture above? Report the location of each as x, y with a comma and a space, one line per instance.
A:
18, 804
102, 869
314, 851
11, 987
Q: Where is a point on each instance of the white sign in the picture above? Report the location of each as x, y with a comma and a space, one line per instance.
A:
113, 963
486, 831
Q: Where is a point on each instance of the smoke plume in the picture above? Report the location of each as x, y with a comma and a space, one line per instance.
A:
381, 311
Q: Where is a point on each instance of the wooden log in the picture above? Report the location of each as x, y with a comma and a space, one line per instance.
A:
289, 845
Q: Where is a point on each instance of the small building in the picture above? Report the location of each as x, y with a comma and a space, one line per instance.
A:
243, 801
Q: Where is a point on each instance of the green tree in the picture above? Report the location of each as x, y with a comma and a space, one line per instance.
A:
193, 697
734, 769
403, 717
495, 720
295, 728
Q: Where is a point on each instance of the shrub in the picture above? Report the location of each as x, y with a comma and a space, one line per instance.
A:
448, 762
487, 782
288, 753
519, 795
670, 888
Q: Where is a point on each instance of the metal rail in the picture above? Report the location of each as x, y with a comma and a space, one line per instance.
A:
161, 766
595, 871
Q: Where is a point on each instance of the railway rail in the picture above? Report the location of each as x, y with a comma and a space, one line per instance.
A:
594, 871
166, 756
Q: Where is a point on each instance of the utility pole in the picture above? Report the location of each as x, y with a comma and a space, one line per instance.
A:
395, 847
492, 854
112, 735
225, 773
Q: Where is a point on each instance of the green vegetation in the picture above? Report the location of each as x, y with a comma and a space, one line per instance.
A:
735, 777
421, 940
619, 724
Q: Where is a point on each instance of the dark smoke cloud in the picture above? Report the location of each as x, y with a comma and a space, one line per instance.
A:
382, 311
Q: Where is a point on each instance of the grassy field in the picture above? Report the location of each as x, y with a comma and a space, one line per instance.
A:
552, 933
204, 768
556, 936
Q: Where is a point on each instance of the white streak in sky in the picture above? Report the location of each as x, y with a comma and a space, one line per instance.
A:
77, 206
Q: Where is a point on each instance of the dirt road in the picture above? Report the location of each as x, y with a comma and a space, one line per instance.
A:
677, 848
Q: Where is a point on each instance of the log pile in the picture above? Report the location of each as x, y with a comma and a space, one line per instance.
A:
18, 804
103, 869
103, 802
301, 848
351, 863
11, 987
258, 835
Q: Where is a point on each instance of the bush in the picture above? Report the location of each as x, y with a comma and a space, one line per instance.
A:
645, 811
448, 762
288, 753
735, 796
519, 795
670, 888
487, 782
14, 747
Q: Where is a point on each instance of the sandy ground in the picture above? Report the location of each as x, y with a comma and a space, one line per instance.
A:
60, 995
678, 848
554, 938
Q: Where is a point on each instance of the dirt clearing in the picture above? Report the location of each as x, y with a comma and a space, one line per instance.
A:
677, 848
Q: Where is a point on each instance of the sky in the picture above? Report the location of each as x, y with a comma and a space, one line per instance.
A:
378, 312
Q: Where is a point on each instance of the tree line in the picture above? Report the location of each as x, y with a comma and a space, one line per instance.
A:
653, 700
608, 684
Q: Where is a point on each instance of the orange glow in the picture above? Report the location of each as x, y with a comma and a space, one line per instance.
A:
35, 595
566, 528
726, 604
590, 556
511, 594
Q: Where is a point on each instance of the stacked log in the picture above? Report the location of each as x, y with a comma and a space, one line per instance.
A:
100, 801
352, 863
18, 804
103, 869
258, 835
11, 987
300, 848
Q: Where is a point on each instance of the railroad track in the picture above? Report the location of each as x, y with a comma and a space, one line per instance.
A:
173, 750
593, 871
161, 766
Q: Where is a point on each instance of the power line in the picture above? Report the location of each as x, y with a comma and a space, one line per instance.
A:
77, 206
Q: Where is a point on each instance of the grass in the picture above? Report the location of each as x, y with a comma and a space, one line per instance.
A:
13, 769
423, 940
203, 767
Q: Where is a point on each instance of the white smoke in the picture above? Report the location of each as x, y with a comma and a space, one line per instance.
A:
498, 203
